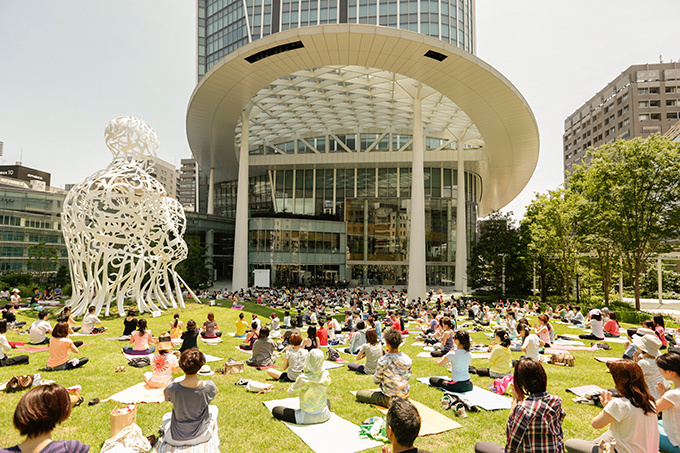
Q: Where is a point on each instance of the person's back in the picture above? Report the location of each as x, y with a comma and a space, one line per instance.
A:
39, 330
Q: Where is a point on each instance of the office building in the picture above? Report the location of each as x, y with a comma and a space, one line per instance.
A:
166, 174
193, 187
642, 100
354, 141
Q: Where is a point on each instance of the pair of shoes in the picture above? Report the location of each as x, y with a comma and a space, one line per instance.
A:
93, 402
120, 369
242, 382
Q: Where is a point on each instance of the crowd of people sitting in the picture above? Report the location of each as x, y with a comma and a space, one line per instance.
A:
641, 380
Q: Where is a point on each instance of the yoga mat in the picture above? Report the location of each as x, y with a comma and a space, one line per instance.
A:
607, 359
418, 344
247, 352
561, 342
231, 334
580, 391
432, 422
36, 349
425, 355
616, 340
133, 356
428, 348
558, 348
211, 341
480, 355
330, 365
337, 435
121, 338
138, 393
576, 327
212, 358
484, 399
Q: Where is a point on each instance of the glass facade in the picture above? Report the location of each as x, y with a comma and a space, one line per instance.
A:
225, 25
28, 217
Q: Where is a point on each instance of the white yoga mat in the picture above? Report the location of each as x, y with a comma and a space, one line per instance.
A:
327, 365
425, 355
616, 340
337, 435
484, 399
134, 356
211, 341
418, 344
480, 355
577, 327
580, 391
212, 358
428, 348
561, 342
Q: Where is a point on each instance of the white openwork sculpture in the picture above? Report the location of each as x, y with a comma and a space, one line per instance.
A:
123, 232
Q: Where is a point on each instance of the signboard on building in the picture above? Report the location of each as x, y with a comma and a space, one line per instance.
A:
25, 173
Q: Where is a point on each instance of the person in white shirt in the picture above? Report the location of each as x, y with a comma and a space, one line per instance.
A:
15, 298
631, 418
530, 342
40, 328
647, 351
89, 322
4, 294
669, 403
5, 347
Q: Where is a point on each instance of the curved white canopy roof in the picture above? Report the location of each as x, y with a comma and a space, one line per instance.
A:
342, 73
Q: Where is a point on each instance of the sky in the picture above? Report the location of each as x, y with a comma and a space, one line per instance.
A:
68, 67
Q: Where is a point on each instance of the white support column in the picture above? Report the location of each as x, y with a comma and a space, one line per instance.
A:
659, 277
461, 230
211, 192
240, 269
416, 243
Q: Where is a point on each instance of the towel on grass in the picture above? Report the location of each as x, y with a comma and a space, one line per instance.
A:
582, 390
337, 435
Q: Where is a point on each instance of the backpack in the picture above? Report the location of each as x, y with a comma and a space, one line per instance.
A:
333, 355
140, 362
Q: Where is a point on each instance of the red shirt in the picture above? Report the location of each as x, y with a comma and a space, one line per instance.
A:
322, 335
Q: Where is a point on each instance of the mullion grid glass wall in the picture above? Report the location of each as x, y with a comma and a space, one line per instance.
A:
448, 20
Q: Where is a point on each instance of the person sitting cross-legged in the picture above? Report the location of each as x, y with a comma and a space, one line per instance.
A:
312, 386
535, 422
392, 373
460, 365
193, 420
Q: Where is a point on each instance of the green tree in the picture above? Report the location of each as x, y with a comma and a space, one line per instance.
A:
498, 250
42, 260
195, 269
551, 219
634, 186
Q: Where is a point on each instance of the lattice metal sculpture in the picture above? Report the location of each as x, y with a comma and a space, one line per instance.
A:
123, 232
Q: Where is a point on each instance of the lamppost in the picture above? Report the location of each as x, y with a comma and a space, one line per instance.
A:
503, 275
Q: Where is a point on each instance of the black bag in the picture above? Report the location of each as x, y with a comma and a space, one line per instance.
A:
140, 362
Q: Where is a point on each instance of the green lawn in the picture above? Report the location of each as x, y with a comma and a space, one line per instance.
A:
245, 425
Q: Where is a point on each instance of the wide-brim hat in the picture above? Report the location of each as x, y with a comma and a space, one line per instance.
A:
642, 331
164, 342
595, 311
16, 290
205, 371
649, 344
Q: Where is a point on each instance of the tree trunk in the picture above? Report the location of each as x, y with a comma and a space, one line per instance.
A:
636, 286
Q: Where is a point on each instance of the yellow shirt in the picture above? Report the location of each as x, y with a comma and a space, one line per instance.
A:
501, 359
241, 327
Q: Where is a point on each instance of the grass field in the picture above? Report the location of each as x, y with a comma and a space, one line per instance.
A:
245, 425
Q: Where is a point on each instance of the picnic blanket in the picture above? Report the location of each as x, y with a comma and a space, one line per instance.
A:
431, 421
484, 399
36, 349
607, 359
337, 435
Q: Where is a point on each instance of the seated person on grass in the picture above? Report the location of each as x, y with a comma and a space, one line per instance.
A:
392, 374
210, 329
251, 338
403, 426
193, 420
460, 365
294, 361
60, 347
89, 322
372, 350
163, 364
263, 350
241, 326
669, 403
40, 328
38, 412
5, 347
500, 359
311, 386
535, 421
140, 340
189, 337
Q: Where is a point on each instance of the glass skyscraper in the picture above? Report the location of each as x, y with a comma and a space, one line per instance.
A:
348, 147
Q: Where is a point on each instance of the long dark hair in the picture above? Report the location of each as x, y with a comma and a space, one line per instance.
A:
176, 322
141, 326
504, 336
658, 321
463, 338
630, 383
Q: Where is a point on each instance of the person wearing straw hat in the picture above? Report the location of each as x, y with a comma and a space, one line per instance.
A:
648, 346
163, 364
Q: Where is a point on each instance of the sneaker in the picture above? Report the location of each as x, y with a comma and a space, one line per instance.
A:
459, 408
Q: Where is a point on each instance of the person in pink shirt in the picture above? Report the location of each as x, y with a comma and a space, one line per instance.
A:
60, 347
322, 335
140, 340
611, 327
